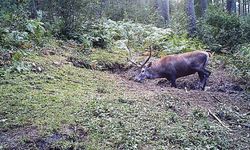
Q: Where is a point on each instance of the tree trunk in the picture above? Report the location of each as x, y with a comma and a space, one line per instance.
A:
244, 7
103, 4
230, 4
33, 9
165, 10
157, 5
211, 2
203, 7
162, 6
239, 7
248, 7
68, 15
191, 17
234, 6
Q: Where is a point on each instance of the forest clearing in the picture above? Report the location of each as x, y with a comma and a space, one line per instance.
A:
64, 86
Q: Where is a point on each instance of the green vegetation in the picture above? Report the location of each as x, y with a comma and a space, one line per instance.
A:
65, 81
220, 30
108, 114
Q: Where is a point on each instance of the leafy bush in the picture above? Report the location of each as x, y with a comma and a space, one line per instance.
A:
222, 31
4, 40
16, 38
123, 35
218, 29
237, 64
179, 43
13, 62
240, 61
118, 37
179, 21
10, 39
36, 30
107, 32
17, 29
245, 27
17, 33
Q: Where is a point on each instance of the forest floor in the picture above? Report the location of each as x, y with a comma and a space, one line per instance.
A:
58, 105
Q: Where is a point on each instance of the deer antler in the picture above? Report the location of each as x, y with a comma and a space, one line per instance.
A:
138, 65
150, 54
130, 60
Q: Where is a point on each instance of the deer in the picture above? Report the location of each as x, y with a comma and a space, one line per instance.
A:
175, 66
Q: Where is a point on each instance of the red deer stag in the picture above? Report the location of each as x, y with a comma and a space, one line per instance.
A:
172, 67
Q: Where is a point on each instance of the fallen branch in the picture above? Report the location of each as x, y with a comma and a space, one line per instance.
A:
216, 99
241, 124
246, 114
73, 81
212, 114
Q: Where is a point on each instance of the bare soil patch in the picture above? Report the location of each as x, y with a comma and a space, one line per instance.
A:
224, 96
221, 90
30, 138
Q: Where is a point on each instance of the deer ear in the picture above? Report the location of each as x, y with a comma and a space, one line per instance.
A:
149, 64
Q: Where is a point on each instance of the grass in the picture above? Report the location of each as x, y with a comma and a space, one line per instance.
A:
99, 59
73, 107
63, 88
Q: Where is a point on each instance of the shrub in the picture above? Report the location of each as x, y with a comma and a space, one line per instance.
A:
36, 30
123, 35
178, 43
245, 27
218, 29
10, 39
240, 61
107, 32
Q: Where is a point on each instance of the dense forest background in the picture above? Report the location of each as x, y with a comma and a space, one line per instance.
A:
66, 81
222, 25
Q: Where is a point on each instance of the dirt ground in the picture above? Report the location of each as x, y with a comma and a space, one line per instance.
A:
221, 90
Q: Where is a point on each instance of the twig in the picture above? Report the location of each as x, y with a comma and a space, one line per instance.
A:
241, 124
216, 99
246, 114
73, 81
212, 114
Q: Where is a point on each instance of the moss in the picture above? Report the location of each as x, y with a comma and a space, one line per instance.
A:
99, 59
81, 108
48, 98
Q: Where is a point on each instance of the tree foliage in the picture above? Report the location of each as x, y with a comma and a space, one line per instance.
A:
221, 30
23, 21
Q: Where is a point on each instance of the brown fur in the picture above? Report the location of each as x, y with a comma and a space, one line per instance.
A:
175, 66
181, 63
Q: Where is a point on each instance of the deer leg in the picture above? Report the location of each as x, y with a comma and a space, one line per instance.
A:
203, 75
208, 72
172, 79
206, 75
202, 78
204, 82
